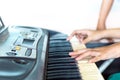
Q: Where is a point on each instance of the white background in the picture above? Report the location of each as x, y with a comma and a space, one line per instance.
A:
60, 15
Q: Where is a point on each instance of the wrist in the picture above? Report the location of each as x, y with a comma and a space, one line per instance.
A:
108, 33
103, 33
101, 25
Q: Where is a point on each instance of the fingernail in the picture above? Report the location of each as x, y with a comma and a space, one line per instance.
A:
70, 53
78, 59
72, 57
90, 61
67, 39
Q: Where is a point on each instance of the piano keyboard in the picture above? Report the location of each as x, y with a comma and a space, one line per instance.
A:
60, 66
88, 71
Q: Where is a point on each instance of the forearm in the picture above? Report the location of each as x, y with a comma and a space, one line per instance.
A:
110, 33
112, 51
104, 11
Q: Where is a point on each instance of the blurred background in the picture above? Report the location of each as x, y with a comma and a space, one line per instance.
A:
60, 15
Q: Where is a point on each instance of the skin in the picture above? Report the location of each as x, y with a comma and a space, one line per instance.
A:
104, 12
86, 36
101, 53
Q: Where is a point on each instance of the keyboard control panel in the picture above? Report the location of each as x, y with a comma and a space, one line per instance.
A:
21, 42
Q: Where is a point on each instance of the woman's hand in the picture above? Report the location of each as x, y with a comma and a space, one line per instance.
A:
97, 54
86, 35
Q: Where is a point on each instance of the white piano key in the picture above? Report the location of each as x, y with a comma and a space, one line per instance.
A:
88, 71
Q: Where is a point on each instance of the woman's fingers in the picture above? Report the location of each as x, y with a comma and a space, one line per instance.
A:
95, 59
80, 34
72, 35
78, 55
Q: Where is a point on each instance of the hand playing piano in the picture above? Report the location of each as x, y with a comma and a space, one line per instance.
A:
86, 35
97, 54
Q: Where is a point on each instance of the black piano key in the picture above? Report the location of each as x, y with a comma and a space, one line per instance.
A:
59, 41
61, 61
65, 63
59, 44
66, 70
62, 68
59, 53
60, 49
64, 77
93, 45
57, 71
63, 58
65, 74
59, 36
64, 52
54, 56
62, 65
56, 38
